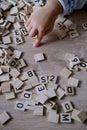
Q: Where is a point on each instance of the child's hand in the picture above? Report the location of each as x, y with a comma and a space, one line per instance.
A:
41, 23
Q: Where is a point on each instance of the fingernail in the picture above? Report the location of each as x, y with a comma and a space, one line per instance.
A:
34, 45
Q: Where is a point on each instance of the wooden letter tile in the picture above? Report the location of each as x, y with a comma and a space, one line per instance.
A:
18, 39
40, 88
30, 73
6, 87
4, 77
69, 90
38, 110
53, 78
14, 73
73, 82
49, 104
73, 34
6, 40
74, 114
82, 116
21, 63
66, 72
4, 117
24, 31
60, 93
20, 105
65, 118
51, 85
39, 57
68, 23
17, 83
30, 105
84, 25
41, 98
26, 95
50, 93
74, 61
67, 106
17, 54
16, 32
9, 95
82, 66
53, 116
43, 79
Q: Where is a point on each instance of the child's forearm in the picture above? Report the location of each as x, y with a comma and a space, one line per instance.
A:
70, 5
55, 7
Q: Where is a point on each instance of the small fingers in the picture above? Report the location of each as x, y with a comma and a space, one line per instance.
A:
29, 28
38, 40
33, 32
28, 22
48, 31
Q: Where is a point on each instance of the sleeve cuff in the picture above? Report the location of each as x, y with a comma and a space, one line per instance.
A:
64, 7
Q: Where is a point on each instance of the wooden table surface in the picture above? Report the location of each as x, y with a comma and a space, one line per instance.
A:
55, 51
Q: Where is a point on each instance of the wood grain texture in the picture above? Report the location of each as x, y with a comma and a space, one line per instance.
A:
55, 51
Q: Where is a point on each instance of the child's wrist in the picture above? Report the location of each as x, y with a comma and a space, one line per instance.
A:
55, 7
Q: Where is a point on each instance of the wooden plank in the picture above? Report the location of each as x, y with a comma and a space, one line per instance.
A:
82, 66
30, 73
